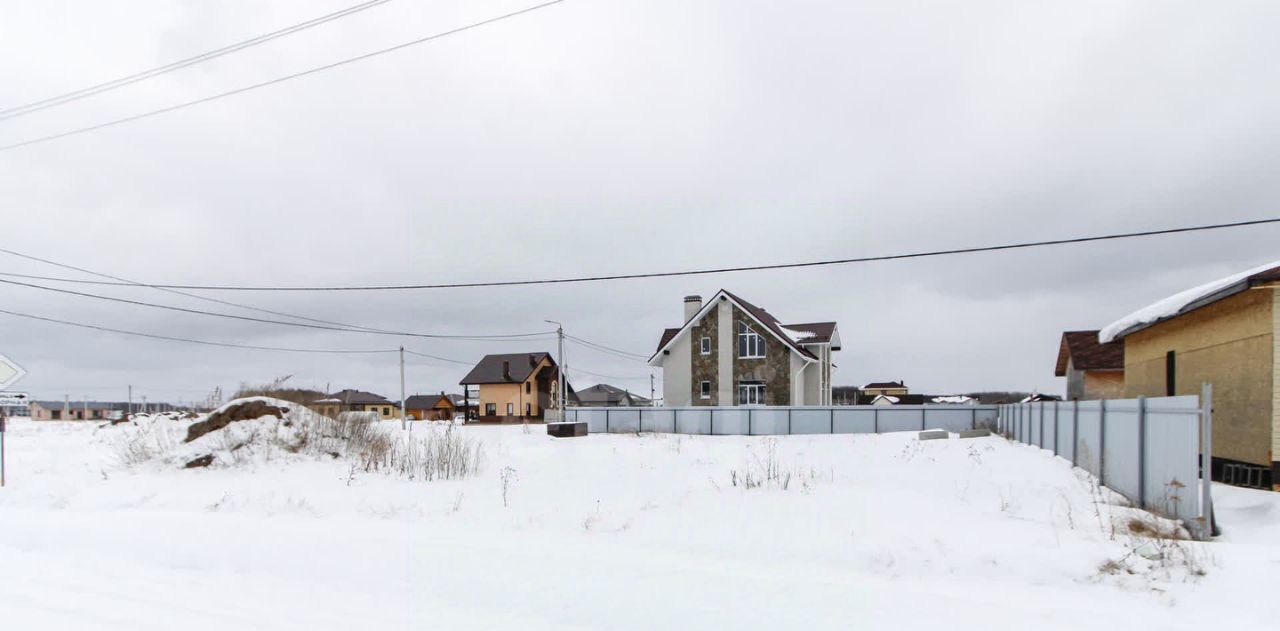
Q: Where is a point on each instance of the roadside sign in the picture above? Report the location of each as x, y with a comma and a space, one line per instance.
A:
14, 398
10, 372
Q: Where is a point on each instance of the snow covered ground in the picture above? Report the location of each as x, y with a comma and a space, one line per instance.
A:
611, 532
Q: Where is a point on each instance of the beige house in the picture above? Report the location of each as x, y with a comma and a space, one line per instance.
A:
1225, 334
356, 401
885, 388
515, 388
1093, 370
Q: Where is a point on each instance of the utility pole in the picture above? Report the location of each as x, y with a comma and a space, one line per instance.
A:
403, 417
560, 370
144, 404
130, 411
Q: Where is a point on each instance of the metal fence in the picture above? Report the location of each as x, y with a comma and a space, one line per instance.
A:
1152, 451
781, 420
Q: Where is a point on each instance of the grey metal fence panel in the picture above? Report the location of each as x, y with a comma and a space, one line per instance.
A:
1064, 438
658, 420
1172, 448
594, 418
770, 421
1034, 418
729, 422
856, 421
895, 418
950, 419
1088, 445
695, 421
1121, 441
623, 420
812, 421
985, 416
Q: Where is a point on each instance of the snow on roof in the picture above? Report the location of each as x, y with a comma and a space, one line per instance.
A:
797, 336
1175, 304
959, 398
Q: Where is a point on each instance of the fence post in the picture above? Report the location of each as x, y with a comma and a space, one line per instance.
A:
606, 420
833, 420
750, 432
1206, 461
973, 424
1075, 431
788, 421
1041, 445
1055, 428
712, 421
1142, 452
1102, 442
875, 420
924, 418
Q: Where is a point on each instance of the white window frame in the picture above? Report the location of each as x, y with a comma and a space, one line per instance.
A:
755, 343
751, 393
704, 390
705, 345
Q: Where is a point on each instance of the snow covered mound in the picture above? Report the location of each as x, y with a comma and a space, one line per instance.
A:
1174, 304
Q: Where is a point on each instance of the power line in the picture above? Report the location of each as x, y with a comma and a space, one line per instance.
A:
195, 341
573, 369
263, 84
606, 349
75, 95
437, 357
718, 270
172, 291
495, 338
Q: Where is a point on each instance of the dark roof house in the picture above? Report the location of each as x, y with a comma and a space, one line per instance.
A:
605, 395
507, 368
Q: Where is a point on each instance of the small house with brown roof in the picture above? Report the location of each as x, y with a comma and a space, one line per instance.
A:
730, 352
888, 388
350, 400
516, 387
435, 407
1093, 370
1225, 333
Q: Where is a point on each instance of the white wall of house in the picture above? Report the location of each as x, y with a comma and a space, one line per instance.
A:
728, 348
812, 381
677, 377
799, 380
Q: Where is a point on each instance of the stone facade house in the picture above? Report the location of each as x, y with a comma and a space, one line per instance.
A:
1225, 333
1093, 370
730, 352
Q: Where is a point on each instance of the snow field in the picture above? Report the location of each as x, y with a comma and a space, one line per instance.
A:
606, 532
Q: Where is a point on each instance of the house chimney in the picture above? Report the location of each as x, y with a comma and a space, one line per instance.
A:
506, 370
692, 304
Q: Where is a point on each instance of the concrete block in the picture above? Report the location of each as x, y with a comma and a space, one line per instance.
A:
934, 434
567, 430
975, 433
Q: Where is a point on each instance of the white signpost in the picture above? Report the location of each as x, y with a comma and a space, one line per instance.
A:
10, 373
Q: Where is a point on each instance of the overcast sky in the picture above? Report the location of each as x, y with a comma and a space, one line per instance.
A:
617, 136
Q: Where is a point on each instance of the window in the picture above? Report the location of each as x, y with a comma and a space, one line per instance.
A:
751, 393
1170, 374
704, 390
491, 409
528, 409
526, 387
706, 346
750, 344
511, 409
386, 411
57, 415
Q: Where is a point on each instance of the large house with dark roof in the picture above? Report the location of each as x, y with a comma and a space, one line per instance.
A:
516, 387
350, 400
731, 352
1093, 370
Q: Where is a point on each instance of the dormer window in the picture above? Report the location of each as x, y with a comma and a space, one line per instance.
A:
750, 344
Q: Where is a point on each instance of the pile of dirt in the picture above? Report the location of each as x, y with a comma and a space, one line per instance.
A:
245, 411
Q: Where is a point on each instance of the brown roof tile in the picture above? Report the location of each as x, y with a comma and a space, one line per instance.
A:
1085, 353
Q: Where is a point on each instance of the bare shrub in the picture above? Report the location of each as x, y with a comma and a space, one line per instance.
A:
769, 472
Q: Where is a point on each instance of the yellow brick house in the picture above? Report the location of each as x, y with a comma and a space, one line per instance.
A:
1224, 333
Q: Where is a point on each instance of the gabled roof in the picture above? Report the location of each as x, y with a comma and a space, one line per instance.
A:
816, 333
521, 366
1084, 352
1190, 300
881, 385
605, 393
355, 397
770, 324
